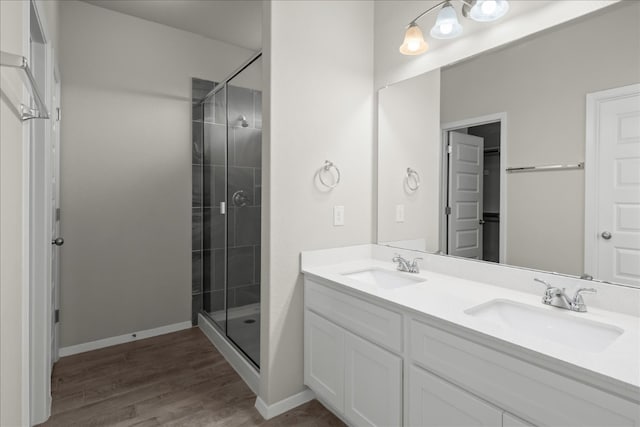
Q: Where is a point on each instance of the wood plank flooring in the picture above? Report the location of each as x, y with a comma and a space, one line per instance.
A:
177, 379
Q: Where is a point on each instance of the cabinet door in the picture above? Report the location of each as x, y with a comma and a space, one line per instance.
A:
509, 420
324, 359
435, 402
373, 384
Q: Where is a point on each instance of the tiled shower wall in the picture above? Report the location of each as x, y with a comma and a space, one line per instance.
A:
209, 189
199, 89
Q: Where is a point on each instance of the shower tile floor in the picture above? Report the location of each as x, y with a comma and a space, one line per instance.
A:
245, 333
177, 379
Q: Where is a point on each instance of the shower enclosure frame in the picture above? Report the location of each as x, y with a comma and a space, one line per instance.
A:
223, 330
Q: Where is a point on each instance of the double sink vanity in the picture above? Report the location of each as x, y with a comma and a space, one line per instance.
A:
464, 344
503, 163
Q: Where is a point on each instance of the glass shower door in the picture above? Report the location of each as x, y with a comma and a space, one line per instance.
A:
214, 172
231, 177
244, 149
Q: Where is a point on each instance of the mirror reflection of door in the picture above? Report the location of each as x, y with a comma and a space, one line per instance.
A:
473, 192
466, 162
613, 235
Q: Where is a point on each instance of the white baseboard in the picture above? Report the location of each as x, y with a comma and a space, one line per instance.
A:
246, 370
121, 339
270, 411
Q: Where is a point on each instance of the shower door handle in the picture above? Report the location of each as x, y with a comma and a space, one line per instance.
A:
223, 208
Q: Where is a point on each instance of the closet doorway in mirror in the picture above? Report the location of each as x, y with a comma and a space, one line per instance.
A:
472, 224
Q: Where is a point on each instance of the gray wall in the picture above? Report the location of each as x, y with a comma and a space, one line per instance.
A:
126, 169
541, 83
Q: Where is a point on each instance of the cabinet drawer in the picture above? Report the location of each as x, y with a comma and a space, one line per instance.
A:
367, 320
533, 393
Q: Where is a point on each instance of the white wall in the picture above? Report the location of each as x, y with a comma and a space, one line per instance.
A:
319, 61
543, 90
392, 16
12, 261
409, 136
126, 169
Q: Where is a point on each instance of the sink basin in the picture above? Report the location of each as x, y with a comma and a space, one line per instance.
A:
561, 328
384, 279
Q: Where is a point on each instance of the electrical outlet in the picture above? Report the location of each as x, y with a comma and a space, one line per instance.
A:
338, 215
399, 213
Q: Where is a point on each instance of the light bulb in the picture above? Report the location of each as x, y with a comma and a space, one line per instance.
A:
446, 28
489, 7
486, 10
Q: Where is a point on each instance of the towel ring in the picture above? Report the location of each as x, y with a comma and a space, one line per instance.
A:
413, 175
327, 168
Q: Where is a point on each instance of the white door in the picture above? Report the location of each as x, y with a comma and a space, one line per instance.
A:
324, 359
466, 163
55, 219
612, 238
40, 248
373, 384
434, 402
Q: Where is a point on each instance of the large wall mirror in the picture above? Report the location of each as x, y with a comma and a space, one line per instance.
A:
527, 155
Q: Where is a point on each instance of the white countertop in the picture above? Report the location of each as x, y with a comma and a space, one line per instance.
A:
447, 297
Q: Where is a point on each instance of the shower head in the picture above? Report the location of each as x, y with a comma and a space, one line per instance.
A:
243, 121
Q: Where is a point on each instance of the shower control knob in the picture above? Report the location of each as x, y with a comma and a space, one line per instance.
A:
58, 241
606, 235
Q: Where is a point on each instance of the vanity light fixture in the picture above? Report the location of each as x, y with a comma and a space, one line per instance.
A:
413, 43
447, 25
485, 10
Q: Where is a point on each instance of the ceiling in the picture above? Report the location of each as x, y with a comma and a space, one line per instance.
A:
237, 22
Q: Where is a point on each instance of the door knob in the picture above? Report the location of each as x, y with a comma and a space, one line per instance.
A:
606, 235
481, 221
58, 241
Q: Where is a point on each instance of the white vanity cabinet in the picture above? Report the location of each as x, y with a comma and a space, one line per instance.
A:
324, 359
375, 363
436, 402
531, 392
373, 384
361, 381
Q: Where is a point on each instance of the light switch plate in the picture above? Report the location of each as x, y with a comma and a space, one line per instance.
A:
399, 213
338, 215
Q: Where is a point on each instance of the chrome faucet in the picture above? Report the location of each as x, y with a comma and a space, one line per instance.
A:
557, 297
406, 265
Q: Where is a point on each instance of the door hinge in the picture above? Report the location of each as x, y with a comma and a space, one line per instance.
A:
447, 210
59, 114
57, 214
449, 149
56, 316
